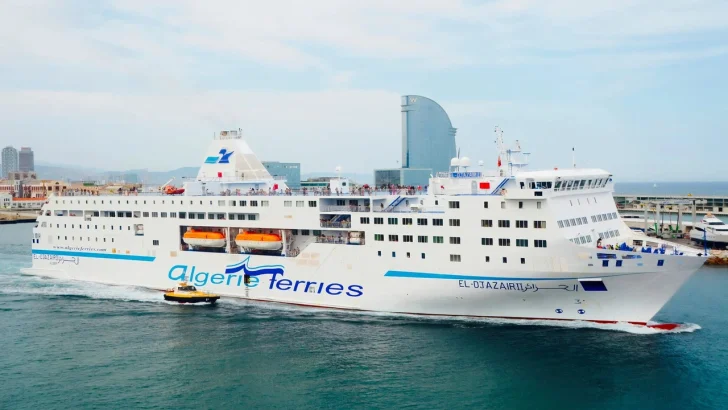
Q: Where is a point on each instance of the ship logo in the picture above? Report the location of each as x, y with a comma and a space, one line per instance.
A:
223, 158
248, 270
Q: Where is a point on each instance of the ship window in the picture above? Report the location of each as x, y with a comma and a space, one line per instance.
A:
163, 215
408, 254
454, 222
437, 239
539, 243
305, 232
155, 214
502, 223
486, 223
183, 215
422, 221
378, 237
232, 203
364, 220
392, 221
287, 204
252, 217
264, 203
605, 263
155, 242
379, 253
539, 224
200, 216
487, 258
407, 238
378, 221
523, 243
619, 263
485, 204
423, 256
393, 238
240, 217
523, 261
520, 204
454, 258
422, 239
503, 205
661, 262
486, 241
253, 203
505, 260
437, 222
453, 204
504, 242
521, 224
245, 203
394, 254
312, 204
406, 221
454, 240
192, 215
221, 203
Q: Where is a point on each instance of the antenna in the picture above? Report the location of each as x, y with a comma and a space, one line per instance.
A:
573, 157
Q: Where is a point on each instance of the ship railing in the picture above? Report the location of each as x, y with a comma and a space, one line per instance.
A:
288, 192
342, 224
345, 208
332, 239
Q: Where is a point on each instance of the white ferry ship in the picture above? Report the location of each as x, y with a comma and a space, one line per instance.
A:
507, 243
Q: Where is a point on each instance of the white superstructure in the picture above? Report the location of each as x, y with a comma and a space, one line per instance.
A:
502, 243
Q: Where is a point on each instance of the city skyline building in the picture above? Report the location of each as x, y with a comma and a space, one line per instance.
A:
291, 171
428, 143
9, 158
26, 160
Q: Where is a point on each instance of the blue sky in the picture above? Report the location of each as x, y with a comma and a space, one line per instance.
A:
638, 87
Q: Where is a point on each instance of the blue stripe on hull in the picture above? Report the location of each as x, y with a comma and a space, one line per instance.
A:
424, 275
95, 255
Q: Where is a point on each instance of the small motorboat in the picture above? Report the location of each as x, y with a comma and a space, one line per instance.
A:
206, 239
261, 241
186, 293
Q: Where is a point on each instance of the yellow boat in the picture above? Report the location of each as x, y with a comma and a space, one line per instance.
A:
186, 293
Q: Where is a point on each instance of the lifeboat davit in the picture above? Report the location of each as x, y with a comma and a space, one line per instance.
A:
263, 241
206, 239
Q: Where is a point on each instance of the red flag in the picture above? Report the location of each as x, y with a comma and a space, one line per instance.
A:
275, 187
499, 161
219, 174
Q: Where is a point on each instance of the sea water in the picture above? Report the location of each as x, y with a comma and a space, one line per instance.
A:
79, 345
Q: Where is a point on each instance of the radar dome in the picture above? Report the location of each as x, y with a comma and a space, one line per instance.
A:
465, 162
455, 162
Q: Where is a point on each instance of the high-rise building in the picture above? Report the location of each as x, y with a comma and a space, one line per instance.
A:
428, 143
26, 161
291, 171
9, 161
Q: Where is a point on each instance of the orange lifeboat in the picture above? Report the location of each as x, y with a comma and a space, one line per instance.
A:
206, 239
264, 241
173, 190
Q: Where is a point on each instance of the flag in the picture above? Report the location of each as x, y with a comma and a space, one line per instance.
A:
219, 174
499, 161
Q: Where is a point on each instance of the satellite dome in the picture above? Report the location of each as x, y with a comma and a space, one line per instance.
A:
455, 162
465, 162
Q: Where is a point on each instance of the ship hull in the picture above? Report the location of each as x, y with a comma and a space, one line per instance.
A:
328, 279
